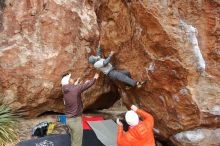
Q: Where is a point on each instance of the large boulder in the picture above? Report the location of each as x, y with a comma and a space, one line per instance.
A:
173, 45
40, 40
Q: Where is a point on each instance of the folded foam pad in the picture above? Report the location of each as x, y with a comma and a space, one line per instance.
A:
86, 119
106, 131
90, 139
50, 140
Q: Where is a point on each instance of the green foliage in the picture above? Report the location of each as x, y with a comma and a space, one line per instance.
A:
8, 125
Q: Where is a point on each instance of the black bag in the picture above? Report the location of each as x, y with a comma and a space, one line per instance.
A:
40, 129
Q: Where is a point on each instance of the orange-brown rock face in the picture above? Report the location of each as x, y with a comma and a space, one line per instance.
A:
40, 40
173, 45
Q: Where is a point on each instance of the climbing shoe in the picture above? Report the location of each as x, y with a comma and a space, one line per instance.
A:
140, 84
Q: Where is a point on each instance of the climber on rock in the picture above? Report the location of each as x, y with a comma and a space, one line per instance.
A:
104, 66
74, 106
140, 133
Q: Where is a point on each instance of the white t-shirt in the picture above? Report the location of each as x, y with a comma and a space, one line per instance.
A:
100, 66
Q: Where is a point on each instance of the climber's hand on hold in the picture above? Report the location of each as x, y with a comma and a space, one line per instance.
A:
112, 53
96, 76
88, 50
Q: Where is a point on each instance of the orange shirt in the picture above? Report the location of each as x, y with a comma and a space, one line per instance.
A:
140, 135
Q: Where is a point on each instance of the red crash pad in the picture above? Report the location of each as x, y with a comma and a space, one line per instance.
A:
85, 119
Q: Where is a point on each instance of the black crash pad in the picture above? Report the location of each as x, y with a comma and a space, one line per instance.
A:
89, 139
50, 140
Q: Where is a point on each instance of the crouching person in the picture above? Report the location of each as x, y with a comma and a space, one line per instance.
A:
140, 133
74, 106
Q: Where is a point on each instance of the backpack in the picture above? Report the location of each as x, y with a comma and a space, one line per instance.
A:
40, 129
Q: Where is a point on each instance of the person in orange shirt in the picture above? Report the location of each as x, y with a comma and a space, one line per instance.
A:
140, 133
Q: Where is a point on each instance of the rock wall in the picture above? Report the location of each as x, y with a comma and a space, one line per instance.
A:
40, 40
173, 45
